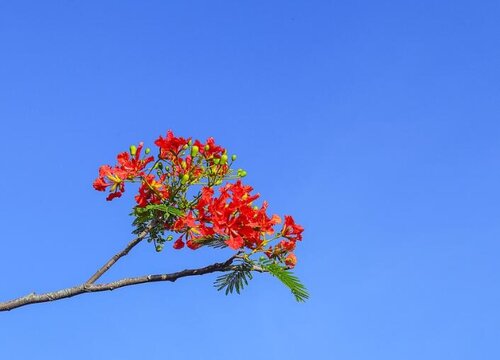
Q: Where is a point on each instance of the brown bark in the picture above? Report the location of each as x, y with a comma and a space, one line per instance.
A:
91, 287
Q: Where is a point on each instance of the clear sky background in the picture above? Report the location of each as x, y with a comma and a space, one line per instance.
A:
374, 123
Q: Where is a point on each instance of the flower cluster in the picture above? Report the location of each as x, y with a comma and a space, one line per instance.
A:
129, 167
192, 190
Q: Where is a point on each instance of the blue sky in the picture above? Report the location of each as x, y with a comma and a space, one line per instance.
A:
375, 124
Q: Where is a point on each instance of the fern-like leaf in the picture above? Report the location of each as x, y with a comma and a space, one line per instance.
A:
235, 280
291, 281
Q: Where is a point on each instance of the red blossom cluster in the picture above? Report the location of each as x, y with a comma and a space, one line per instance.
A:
231, 215
129, 166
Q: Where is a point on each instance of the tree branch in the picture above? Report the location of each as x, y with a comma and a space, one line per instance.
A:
92, 287
119, 255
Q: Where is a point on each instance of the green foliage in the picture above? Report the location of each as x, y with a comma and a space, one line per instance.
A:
289, 279
140, 211
236, 279
154, 216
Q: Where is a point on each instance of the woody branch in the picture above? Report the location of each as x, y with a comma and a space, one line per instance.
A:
90, 286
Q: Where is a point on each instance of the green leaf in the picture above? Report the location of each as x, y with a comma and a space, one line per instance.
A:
289, 279
235, 280
161, 207
174, 211
159, 213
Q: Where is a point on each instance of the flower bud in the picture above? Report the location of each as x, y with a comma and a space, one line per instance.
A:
241, 173
291, 260
178, 244
207, 147
133, 150
194, 151
233, 157
159, 248
223, 159
147, 151
170, 238
216, 161
184, 164
184, 178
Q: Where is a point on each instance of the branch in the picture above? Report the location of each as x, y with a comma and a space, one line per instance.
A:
91, 287
117, 256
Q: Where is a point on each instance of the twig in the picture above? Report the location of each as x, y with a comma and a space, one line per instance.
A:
119, 255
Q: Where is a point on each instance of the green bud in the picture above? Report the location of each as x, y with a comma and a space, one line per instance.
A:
233, 158
185, 178
207, 147
241, 173
216, 161
133, 150
159, 248
223, 159
194, 150
170, 238
218, 182
148, 150
184, 164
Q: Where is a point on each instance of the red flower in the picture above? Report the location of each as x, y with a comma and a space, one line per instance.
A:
113, 177
260, 220
235, 242
185, 222
290, 230
170, 145
152, 191
179, 244
100, 184
127, 169
233, 216
210, 150
291, 260
207, 194
192, 244
113, 195
134, 166
287, 245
